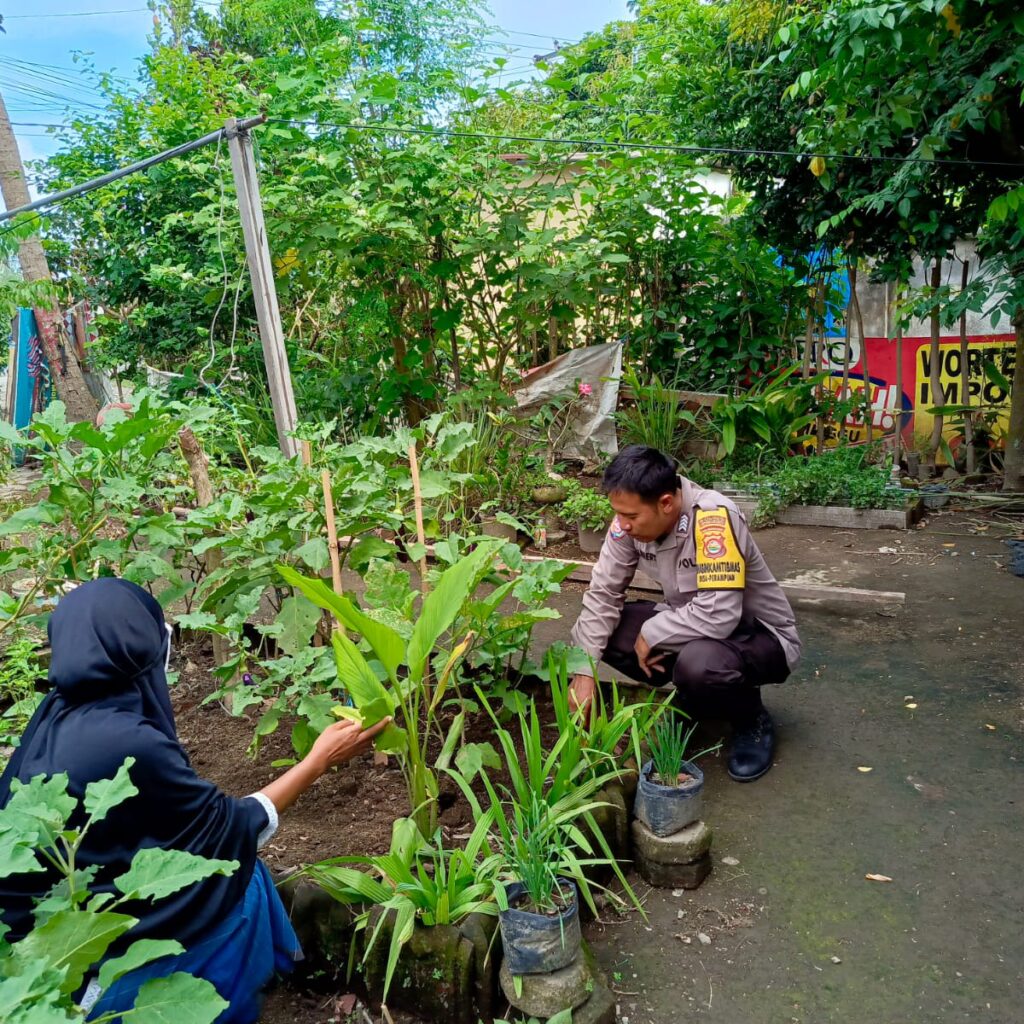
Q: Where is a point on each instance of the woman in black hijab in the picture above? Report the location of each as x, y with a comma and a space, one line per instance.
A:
109, 701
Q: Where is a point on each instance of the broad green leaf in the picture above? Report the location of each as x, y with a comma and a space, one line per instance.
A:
440, 607
315, 554
37, 809
156, 873
104, 795
75, 940
357, 677
369, 548
295, 624
144, 951
177, 999
475, 756
35, 981
386, 643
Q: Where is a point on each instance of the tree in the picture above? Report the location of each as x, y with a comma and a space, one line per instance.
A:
928, 81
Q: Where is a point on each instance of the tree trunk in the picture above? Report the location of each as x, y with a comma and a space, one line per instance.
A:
965, 381
1013, 466
844, 388
867, 395
935, 382
65, 370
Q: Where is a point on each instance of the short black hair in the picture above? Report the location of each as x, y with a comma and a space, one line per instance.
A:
646, 472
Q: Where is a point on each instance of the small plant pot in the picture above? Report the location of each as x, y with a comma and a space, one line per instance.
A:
539, 943
1016, 565
934, 495
590, 540
666, 810
548, 494
492, 528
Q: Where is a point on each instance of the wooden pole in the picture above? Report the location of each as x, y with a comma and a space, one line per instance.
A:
198, 466
421, 536
332, 532
261, 273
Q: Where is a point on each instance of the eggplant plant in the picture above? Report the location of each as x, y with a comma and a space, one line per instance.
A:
74, 929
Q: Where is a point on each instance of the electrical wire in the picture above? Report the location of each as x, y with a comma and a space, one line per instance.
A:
642, 146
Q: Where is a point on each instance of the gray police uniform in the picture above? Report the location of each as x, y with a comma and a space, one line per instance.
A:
724, 622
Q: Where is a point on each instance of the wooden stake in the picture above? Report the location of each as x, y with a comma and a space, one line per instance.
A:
332, 533
198, 466
421, 536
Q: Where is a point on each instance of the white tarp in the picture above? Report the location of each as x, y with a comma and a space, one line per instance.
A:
590, 431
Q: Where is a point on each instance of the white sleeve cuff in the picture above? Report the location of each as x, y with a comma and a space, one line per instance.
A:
271, 827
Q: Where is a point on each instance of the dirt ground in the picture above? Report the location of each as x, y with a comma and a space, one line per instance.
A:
900, 755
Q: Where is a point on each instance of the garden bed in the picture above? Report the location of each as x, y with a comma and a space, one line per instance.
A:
840, 516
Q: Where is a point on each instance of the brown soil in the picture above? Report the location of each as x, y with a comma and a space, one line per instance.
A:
347, 812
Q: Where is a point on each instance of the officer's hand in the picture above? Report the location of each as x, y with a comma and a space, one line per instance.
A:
581, 694
341, 741
645, 658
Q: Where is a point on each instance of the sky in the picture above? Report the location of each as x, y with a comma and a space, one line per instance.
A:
38, 50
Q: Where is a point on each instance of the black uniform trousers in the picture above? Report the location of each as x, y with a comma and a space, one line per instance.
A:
712, 678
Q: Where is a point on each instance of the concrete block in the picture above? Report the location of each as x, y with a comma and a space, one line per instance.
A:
682, 847
544, 995
674, 876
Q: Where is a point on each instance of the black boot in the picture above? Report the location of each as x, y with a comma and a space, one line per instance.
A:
753, 744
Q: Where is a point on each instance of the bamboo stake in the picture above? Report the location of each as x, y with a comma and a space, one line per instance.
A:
421, 536
332, 532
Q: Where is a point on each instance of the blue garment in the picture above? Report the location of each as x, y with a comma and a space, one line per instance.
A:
238, 957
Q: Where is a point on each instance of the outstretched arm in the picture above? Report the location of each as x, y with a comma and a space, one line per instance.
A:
337, 744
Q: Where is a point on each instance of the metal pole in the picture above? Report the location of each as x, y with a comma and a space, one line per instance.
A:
261, 273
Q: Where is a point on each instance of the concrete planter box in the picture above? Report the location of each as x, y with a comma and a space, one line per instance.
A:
444, 973
839, 516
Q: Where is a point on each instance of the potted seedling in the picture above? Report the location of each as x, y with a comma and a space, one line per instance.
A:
590, 511
669, 794
539, 914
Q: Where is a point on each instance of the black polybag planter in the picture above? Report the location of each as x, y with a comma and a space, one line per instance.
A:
665, 810
1016, 565
539, 943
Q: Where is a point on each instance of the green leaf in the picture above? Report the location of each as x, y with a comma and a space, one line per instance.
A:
73, 939
386, 643
155, 873
177, 999
354, 672
443, 604
474, 756
295, 624
144, 951
104, 795
315, 553
369, 548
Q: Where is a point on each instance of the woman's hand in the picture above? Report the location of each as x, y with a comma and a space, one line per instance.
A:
338, 743
344, 740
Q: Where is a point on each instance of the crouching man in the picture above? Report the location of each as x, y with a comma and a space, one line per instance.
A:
724, 628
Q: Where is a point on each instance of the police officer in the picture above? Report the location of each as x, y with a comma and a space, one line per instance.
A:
724, 627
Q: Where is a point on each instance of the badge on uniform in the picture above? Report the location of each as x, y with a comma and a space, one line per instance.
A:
720, 566
684, 523
616, 530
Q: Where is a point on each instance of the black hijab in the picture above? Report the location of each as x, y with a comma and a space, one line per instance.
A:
109, 701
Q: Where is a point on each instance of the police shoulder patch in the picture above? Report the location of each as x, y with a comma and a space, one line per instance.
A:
720, 564
616, 530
